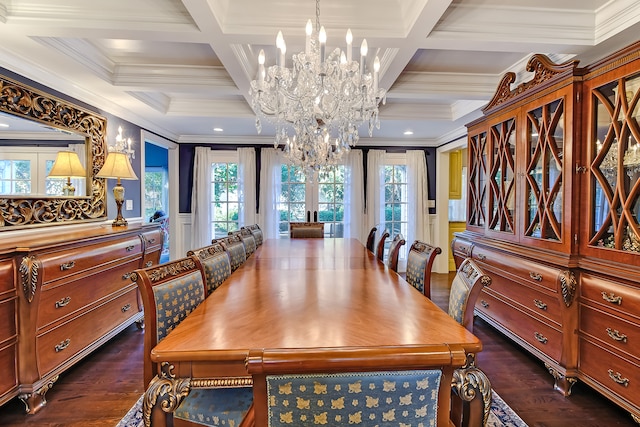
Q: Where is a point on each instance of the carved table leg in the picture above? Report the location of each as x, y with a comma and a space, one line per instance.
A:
163, 396
473, 388
36, 400
562, 383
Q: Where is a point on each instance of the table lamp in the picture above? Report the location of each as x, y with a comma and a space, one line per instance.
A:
117, 166
67, 165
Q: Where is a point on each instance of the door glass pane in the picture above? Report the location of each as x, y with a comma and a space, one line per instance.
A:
396, 204
292, 204
225, 205
330, 188
477, 199
502, 186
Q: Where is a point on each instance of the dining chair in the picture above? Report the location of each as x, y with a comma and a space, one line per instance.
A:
419, 264
236, 249
394, 251
257, 233
380, 246
247, 239
465, 289
342, 392
170, 292
215, 264
371, 239
303, 230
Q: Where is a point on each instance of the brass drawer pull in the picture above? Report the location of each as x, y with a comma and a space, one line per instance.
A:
482, 257
463, 250
541, 305
535, 276
484, 303
126, 276
612, 298
616, 335
126, 308
541, 338
617, 377
63, 302
152, 240
64, 344
67, 265
148, 263
130, 248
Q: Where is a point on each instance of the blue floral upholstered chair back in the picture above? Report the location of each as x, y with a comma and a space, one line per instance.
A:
170, 292
250, 244
394, 251
419, 265
257, 233
215, 264
380, 245
465, 289
236, 249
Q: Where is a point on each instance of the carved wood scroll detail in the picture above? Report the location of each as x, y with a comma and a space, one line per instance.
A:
543, 68
166, 270
23, 101
568, 287
29, 267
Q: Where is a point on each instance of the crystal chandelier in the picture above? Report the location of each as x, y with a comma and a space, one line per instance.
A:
319, 103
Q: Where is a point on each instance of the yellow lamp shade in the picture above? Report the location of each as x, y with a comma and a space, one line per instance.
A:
67, 165
117, 166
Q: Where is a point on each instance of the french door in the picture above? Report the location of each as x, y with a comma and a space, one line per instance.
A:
319, 201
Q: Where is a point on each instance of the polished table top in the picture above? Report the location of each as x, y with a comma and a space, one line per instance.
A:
307, 294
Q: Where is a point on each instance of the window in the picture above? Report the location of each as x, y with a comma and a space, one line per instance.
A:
225, 205
26, 172
396, 203
156, 191
321, 200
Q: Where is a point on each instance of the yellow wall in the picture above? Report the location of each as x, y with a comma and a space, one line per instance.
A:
454, 227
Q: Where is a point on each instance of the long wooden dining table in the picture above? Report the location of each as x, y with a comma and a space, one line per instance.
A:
296, 295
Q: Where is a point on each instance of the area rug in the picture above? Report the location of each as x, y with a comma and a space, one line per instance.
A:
501, 415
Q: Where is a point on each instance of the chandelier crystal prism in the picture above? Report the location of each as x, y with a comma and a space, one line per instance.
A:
318, 104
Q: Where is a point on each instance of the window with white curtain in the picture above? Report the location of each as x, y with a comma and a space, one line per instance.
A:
25, 172
225, 200
396, 201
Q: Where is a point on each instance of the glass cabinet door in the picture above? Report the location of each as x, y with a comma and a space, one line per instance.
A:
543, 172
615, 166
477, 195
502, 185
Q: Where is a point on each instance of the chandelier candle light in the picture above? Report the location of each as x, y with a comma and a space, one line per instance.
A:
319, 103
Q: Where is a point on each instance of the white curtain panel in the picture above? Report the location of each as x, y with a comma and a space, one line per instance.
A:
375, 189
354, 225
247, 186
417, 194
201, 199
270, 186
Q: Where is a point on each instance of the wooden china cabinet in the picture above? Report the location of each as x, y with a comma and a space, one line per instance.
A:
554, 219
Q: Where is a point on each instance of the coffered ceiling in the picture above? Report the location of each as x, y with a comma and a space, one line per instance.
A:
183, 67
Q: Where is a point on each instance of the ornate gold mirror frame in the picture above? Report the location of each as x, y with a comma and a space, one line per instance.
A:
29, 103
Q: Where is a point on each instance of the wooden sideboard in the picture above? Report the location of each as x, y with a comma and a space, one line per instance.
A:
554, 218
63, 293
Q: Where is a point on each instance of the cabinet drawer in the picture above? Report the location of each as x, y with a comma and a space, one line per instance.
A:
462, 248
151, 259
543, 337
518, 268
533, 299
612, 372
58, 345
7, 320
56, 265
8, 379
616, 296
69, 297
152, 240
6, 276
612, 331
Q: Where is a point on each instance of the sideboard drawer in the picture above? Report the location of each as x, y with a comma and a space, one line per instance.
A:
613, 295
519, 269
539, 335
56, 265
69, 297
609, 370
152, 240
7, 320
9, 377
461, 248
6, 276
59, 344
531, 298
611, 330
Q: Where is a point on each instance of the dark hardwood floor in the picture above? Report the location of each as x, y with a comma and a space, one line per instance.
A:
102, 388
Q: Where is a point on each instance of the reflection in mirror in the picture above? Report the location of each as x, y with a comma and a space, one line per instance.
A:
25, 202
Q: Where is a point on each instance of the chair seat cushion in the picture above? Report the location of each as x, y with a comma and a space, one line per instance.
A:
216, 406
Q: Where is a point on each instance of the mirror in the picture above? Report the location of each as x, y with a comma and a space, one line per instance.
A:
71, 124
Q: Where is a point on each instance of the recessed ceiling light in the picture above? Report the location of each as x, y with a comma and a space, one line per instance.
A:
218, 129
408, 132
